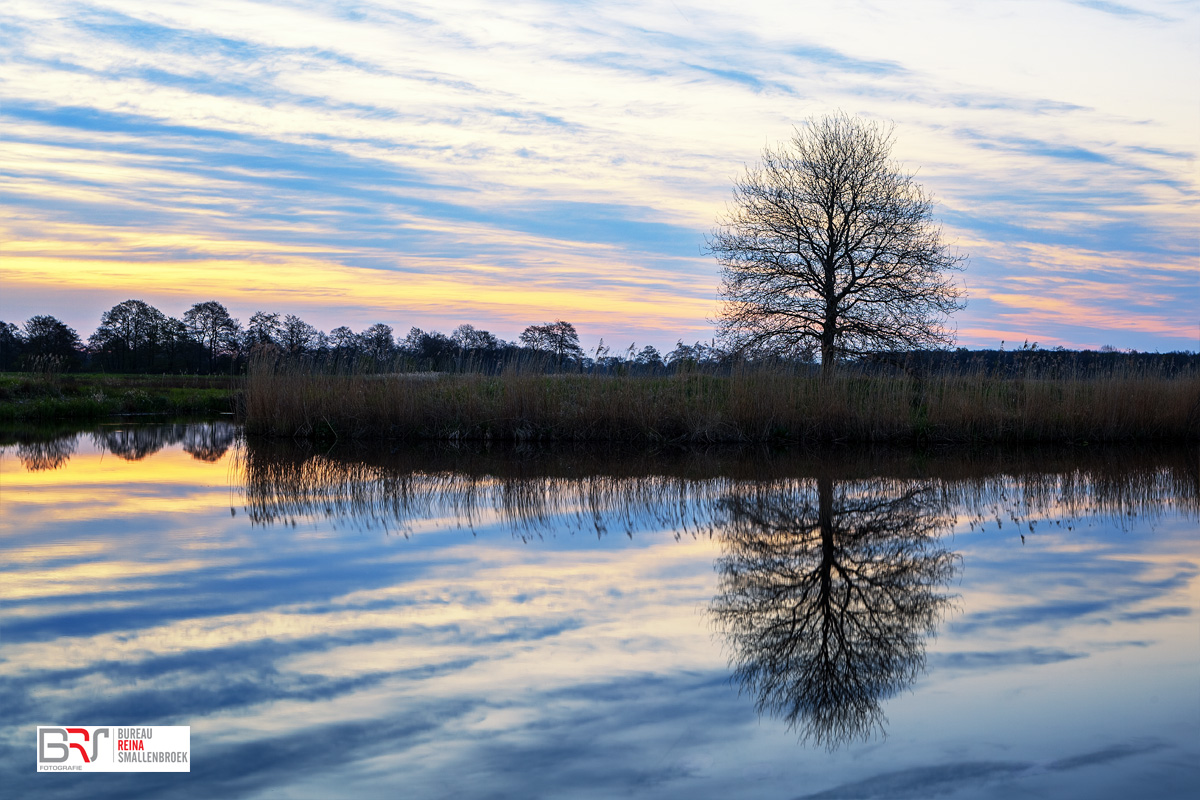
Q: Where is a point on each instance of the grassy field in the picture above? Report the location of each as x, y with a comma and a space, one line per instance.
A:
752, 407
28, 397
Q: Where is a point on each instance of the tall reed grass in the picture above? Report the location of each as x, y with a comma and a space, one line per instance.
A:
746, 406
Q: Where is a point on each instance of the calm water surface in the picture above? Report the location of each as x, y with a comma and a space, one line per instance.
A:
446, 623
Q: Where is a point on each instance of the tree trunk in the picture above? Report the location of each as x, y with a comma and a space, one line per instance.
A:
828, 345
825, 523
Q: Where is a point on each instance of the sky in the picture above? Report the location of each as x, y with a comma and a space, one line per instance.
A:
504, 164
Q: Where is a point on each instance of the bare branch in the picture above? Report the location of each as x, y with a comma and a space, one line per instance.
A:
830, 247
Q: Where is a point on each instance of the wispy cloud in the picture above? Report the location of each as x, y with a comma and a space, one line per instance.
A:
425, 142
1120, 9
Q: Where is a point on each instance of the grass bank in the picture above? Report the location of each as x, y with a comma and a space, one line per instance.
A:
751, 407
28, 397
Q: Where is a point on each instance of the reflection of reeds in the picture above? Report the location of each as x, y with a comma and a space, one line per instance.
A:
752, 406
533, 492
834, 567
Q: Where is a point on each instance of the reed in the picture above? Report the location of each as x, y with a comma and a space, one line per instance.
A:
746, 406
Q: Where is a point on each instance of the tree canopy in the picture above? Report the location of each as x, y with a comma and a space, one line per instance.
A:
829, 247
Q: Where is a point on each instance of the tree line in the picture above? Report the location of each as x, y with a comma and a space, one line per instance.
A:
135, 337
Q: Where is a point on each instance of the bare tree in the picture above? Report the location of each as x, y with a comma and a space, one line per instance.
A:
48, 337
296, 337
830, 247
558, 338
378, 343
263, 329
210, 324
827, 600
130, 334
468, 337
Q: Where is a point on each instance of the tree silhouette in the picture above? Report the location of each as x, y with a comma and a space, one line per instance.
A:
209, 324
208, 441
826, 604
47, 454
829, 247
558, 338
48, 337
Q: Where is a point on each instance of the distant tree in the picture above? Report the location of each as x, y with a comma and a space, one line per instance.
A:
829, 246
130, 335
468, 337
378, 344
209, 324
429, 349
263, 329
649, 356
344, 343
12, 344
685, 356
320, 346
557, 338
48, 337
177, 343
411, 343
296, 337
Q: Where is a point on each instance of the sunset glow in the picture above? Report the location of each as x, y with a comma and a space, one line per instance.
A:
434, 164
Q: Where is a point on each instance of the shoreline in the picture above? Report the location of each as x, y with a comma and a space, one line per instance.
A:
40, 398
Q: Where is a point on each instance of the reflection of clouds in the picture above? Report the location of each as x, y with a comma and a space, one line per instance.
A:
923, 782
1131, 584
1001, 658
464, 662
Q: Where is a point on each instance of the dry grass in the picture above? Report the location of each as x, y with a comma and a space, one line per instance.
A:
755, 406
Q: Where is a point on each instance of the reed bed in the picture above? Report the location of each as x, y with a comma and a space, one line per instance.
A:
747, 406
533, 490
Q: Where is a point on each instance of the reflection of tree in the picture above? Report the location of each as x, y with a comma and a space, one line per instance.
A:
137, 441
51, 454
826, 605
208, 441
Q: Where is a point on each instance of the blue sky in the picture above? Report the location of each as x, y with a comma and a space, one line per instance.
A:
432, 164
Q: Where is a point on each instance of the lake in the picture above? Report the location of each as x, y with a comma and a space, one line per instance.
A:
403, 621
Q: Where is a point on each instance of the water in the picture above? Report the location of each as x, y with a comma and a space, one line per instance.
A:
437, 622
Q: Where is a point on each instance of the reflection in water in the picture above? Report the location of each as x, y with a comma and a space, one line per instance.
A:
208, 441
205, 441
827, 593
540, 492
828, 586
48, 454
530, 496
49, 450
578, 665
833, 569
